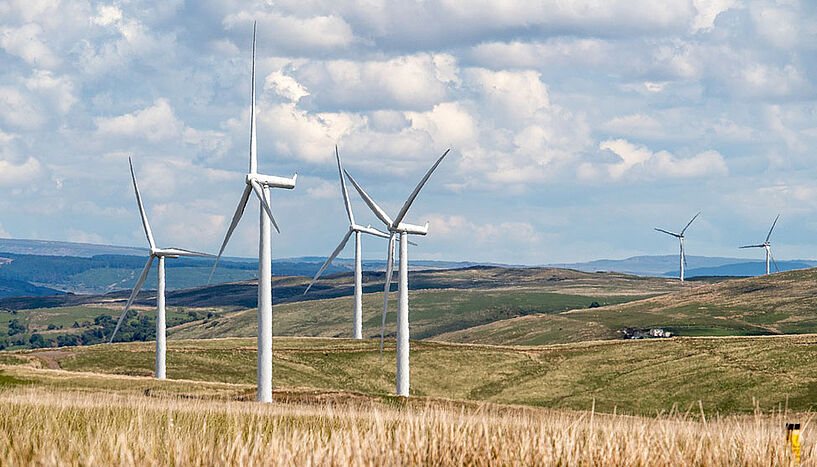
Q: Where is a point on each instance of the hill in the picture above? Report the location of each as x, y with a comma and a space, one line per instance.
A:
667, 265
783, 303
442, 301
728, 375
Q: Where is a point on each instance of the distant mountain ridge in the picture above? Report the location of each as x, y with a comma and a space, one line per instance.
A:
667, 266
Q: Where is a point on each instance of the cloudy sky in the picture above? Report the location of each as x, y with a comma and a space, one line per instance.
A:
576, 126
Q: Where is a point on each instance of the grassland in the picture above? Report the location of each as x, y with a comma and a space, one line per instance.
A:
442, 301
68, 428
433, 312
634, 377
783, 303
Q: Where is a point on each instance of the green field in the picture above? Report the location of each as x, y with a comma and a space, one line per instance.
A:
637, 377
433, 312
783, 303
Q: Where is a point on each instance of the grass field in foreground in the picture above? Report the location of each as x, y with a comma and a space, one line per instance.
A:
635, 377
47, 427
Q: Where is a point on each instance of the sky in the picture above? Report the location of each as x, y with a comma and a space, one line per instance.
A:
576, 127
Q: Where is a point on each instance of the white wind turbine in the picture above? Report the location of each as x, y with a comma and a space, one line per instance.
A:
161, 254
397, 226
680, 237
260, 184
357, 230
768, 247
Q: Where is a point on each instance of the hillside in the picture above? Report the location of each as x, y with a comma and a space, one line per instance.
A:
637, 377
783, 303
442, 301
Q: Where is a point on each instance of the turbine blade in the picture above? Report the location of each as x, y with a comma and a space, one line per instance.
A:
260, 193
752, 246
773, 261
133, 294
330, 259
183, 252
239, 211
372, 231
145, 224
253, 142
690, 222
773, 224
389, 271
344, 190
413, 196
668, 232
380, 213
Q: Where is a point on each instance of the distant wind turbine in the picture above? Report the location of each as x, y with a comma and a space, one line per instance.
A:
161, 254
357, 230
768, 247
396, 226
260, 185
680, 237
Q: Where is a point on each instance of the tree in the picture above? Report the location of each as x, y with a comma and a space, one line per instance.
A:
37, 341
15, 327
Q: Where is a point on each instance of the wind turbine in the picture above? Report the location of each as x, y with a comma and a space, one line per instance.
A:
260, 185
160, 254
357, 230
768, 247
680, 237
397, 226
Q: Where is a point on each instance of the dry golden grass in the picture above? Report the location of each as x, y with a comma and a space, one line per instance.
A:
42, 427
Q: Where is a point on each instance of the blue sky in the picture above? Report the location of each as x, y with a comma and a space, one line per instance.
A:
576, 126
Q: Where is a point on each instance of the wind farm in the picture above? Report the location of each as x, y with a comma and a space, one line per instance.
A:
539, 320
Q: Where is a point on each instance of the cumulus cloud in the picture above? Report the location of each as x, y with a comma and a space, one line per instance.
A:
285, 86
26, 43
637, 161
19, 174
155, 123
296, 34
530, 97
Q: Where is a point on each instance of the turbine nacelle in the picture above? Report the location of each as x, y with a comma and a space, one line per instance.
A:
411, 229
271, 181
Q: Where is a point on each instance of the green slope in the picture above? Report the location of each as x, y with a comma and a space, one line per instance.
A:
629, 376
433, 312
783, 303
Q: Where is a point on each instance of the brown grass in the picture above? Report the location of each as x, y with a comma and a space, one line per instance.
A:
42, 427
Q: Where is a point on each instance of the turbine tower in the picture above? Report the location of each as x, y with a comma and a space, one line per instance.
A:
768, 247
680, 237
357, 230
260, 185
160, 254
397, 226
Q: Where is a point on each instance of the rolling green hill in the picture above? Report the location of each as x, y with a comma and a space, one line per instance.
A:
637, 377
783, 303
443, 301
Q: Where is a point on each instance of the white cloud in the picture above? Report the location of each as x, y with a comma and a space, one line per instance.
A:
413, 82
19, 174
707, 11
155, 123
25, 42
19, 110
58, 89
296, 34
285, 86
637, 161
108, 14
